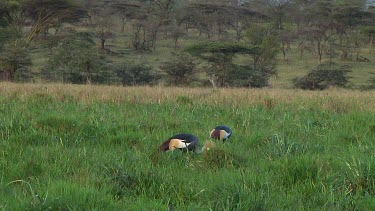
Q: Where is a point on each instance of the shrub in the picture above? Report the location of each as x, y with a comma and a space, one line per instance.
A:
247, 76
371, 81
77, 60
180, 70
324, 75
136, 74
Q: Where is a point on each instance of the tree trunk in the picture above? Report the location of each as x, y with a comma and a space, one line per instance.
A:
123, 24
371, 42
50, 50
301, 49
88, 74
102, 43
136, 40
175, 43
212, 80
57, 27
238, 31
7, 75
283, 50
320, 52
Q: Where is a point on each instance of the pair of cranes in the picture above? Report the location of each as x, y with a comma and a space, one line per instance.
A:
189, 142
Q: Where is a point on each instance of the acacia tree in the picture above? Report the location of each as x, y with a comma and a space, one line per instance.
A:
347, 18
218, 16
12, 20
102, 25
47, 13
320, 30
126, 11
278, 10
14, 52
146, 18
77, 60
266, 39
180, 69
369, 31
161, 11
220, 56
14, 59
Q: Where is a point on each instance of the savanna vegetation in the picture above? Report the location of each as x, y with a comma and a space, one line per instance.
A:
220, 43
71, 147
90, 88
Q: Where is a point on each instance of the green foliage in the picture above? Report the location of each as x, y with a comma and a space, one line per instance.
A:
368, 30
324, 75
9, 34
180, 69
265, 60
220, 56
50, 13
371, 83
78, 60
136, 74
247, 76
213, 48
14, 61
128, 28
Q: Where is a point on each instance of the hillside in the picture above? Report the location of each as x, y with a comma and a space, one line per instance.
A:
98, 42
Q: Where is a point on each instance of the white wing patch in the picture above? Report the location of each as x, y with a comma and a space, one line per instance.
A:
183, 144
178, 144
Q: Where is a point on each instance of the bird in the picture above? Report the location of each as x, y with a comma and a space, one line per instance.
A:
184, 142
221, 132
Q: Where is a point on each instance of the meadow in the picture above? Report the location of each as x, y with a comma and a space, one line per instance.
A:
77, 147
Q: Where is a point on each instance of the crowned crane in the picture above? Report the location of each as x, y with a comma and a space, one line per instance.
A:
221, 132
184, 142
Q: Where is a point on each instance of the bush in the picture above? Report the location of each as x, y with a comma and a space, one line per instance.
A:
371, 85
324, 75
180, 70
14, 61
136, 74
77, 60
247, 76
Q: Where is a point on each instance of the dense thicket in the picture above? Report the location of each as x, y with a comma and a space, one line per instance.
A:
231, 30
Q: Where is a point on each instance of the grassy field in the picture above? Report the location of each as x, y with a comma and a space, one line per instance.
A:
70, 147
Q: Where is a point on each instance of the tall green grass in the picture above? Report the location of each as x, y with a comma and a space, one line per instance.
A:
94, 148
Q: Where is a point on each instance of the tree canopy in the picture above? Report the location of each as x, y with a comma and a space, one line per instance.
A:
230, 43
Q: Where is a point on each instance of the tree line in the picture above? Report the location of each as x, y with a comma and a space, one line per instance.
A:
236, 43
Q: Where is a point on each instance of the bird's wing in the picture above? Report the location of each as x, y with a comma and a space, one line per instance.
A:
186, 142
224, 134
178, 144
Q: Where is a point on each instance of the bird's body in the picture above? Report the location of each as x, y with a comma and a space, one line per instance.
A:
221, 132
184, 142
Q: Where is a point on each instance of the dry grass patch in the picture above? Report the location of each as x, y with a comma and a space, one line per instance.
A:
336, 100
